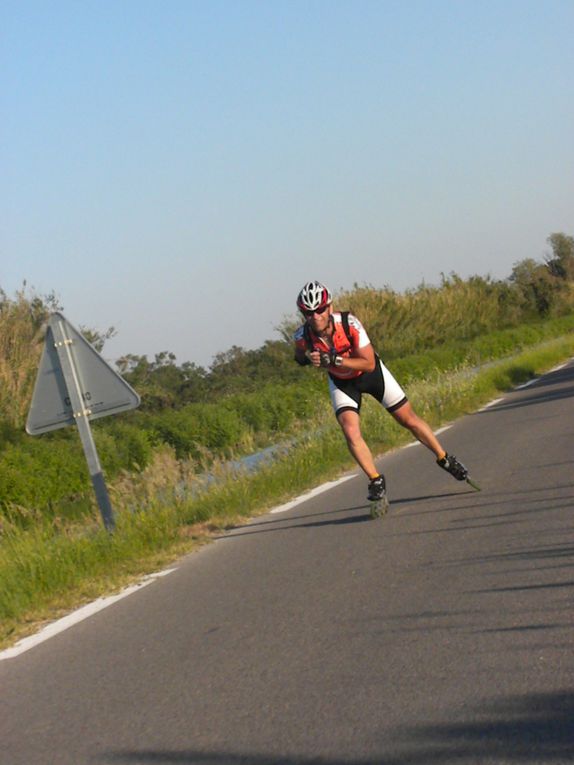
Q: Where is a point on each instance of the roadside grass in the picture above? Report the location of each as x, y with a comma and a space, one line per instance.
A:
166, 511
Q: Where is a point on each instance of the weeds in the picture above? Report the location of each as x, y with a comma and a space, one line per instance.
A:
21, 336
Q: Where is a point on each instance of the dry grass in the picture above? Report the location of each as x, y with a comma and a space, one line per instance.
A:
165, 480
428, 316
21, 336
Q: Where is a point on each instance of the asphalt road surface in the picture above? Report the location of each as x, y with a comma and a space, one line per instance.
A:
441, 634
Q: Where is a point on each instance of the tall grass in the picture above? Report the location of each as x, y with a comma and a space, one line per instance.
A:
21, 338
405, 323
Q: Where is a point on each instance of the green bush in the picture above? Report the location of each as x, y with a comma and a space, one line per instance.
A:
49, 475
275, 407
180, 429
197, 427
123, 447
227, 426
253, 411
221, 428
34, 473
9, 434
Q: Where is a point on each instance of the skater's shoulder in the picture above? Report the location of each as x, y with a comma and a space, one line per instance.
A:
340, 317
355, 322
352, 326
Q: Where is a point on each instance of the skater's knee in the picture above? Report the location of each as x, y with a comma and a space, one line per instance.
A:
413, 422
407, 420
351, 428
407, 417
353, 435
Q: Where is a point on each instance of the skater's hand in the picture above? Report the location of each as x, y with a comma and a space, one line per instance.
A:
324, 359
314, 357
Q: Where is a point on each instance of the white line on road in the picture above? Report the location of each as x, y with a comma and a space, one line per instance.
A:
312, 493
491, 403
528, 384
76, 616
559, 366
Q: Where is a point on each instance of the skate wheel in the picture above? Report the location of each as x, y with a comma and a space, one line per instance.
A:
379, 508
474, 485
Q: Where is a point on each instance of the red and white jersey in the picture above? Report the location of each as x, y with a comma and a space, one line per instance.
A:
306, 340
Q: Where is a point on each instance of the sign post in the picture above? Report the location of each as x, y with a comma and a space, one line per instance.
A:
76, 385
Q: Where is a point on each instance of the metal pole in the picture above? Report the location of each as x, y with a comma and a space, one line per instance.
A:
63, 346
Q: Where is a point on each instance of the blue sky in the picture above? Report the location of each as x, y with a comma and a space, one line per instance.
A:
179, 169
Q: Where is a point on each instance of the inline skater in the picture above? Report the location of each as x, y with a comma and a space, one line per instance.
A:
338, 343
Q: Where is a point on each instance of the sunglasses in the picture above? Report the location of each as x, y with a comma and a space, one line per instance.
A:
308, 314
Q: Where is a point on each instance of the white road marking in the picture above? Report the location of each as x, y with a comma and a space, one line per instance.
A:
77, 616
491, 403
527, 384
312, 493
560, 366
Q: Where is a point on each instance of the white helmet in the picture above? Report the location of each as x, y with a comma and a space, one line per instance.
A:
313, 296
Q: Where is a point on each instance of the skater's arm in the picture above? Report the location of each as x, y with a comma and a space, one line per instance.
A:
361, 360
301, 357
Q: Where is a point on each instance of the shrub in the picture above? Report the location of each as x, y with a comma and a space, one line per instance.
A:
179, 429
34, 473
123, 446
221, 428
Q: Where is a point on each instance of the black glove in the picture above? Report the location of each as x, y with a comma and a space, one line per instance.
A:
331, 359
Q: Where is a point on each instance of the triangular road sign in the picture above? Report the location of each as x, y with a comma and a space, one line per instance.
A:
102, 390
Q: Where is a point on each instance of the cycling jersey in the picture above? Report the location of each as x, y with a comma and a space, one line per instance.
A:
306, 340
346, 386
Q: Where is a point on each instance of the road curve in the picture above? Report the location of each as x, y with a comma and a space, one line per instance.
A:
442, 634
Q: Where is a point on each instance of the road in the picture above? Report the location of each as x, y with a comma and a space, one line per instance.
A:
442, 634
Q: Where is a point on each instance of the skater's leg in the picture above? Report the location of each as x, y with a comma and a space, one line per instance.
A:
351, 427
407, 417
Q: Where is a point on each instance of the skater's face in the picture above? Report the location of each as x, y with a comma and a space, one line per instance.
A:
319, 320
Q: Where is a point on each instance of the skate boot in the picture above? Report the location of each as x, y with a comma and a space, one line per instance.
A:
450, 463
378, 497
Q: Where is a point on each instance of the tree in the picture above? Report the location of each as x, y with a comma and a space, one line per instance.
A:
561, 262
161, 383
98, 338
537, 285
